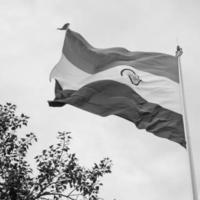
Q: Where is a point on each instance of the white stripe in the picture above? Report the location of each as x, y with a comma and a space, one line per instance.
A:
69, 76
153, 88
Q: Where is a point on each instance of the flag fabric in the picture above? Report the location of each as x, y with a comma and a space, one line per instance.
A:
142, 87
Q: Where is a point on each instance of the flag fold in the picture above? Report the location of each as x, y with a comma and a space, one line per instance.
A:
142, 87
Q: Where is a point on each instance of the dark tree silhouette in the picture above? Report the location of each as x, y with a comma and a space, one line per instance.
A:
59, 174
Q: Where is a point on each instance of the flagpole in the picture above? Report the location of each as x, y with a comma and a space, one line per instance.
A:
179, 52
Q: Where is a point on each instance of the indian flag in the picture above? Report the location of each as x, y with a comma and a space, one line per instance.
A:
142, 87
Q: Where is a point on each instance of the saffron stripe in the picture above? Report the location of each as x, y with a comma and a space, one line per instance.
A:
93, 60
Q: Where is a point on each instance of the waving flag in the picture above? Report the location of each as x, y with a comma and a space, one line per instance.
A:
142, 87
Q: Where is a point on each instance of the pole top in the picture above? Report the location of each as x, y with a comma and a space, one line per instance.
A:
179, 51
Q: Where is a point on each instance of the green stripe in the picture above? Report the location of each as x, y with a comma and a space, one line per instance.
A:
112, 98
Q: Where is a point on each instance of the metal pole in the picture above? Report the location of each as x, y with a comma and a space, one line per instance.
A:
179, 52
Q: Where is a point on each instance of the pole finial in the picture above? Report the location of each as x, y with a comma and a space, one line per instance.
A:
179, 51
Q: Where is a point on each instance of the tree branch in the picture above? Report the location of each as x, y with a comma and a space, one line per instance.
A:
53, 193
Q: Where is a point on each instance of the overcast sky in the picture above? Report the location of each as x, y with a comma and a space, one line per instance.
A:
145, 166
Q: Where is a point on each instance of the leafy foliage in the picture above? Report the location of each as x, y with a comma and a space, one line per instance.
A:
60, 176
